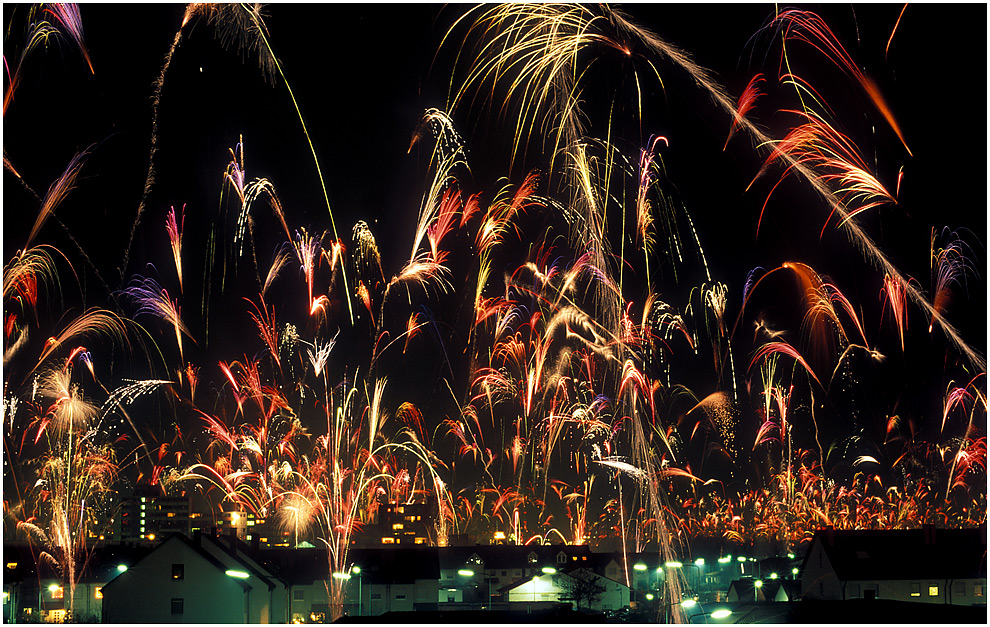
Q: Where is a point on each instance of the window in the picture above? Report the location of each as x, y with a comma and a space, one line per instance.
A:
504, 573
376, 595
178, 571
57, 592
854, 590
933, 591
561, 558
978, 589
298, 594
959, 588
916, 589
400, 597
98, 592
177, 607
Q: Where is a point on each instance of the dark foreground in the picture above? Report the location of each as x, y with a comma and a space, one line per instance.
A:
857, 611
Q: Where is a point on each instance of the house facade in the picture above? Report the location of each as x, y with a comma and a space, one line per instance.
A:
929, 565
203, 580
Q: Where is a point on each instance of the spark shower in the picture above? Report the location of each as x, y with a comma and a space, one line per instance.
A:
549, 269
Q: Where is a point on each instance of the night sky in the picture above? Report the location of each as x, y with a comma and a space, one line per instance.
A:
364, 74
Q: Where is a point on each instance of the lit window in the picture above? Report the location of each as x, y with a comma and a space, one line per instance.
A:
178, 571
916, 589
171, 514
11, 565
397, 526
978, 590
933, 591
56, 592
143, 499
98, 593
388, 540
142, 508
420, 540
264, 539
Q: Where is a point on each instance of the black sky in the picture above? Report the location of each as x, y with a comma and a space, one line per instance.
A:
364, 74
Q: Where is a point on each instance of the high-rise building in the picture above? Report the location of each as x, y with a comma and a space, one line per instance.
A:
148, 515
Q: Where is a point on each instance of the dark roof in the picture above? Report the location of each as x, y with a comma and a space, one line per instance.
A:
199, 550
397, 565
496, 556
928, 553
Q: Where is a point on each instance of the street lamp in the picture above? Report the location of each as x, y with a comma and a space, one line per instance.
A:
756, 589
240, 574
356, 570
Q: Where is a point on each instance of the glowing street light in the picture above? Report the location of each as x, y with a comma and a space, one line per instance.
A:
649, 596
549, 570
673, 564
464, 572
721, 613
341, 576
240, 574
640, 567
121, 568
356, 570
725, 560
688, 603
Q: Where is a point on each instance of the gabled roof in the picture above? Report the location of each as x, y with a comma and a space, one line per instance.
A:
167, 546
929, 553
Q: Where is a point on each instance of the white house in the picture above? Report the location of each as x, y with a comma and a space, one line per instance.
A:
929, 565
581, 587
204, 580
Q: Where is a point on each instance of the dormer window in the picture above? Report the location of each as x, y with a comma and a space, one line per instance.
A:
561, 558
532, 557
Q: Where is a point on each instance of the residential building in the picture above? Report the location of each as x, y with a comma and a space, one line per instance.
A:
929, 565
203, 580
406, 523
749, 590
580, 587
148, 514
